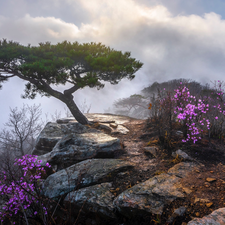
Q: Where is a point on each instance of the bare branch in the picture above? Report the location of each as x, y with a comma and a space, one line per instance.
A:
21, 130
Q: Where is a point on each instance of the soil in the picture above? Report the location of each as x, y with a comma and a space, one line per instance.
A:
206, 195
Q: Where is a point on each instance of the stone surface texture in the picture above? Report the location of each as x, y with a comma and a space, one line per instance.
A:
82, 174
153, 194
73, 148
217, 217
96, 198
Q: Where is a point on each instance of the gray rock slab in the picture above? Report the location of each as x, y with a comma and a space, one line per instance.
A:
108, 118
96, 198
74, 148
83, 174
66, 120
76, 128
47, 139
182, 169
106, 122
100, 117
53, 132
105, 126
152, 195
149, 196
120, 130
217, 217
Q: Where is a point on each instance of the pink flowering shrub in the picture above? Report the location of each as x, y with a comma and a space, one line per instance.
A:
23, 194
197, 114
202, 114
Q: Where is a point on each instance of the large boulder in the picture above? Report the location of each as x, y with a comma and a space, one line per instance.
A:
97, 199
52, 133
83, 174
182, 169
47, 139
152, 195
149, 196
73, 148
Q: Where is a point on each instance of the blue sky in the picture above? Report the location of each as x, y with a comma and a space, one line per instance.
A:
198, 7
173, 38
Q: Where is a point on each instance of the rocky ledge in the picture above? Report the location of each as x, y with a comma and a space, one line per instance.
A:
83, 163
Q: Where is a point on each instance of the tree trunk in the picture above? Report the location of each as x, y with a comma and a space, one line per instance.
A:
79, 116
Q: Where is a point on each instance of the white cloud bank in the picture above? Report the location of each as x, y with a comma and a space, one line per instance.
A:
187, 46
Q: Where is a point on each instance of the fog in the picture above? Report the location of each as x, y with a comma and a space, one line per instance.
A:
175, 40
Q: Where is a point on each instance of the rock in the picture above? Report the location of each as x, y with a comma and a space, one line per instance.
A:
44, 158
96, 198
180, 211
179, 133
66, 120
152, 195
202, 200
83, 174
108, 118
187, 190
177, 212
209, 179
217, 217
100, 117
47, 139
105, 127
53, 132
113, 125
209, 204
74, 148
223, 181
182, 155
149, 196
151, 150
182, 169
120, 130
76, 128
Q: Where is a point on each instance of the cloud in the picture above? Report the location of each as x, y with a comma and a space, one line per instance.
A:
39, 29
171, 45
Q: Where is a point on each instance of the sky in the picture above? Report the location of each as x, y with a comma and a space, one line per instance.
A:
174, 39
